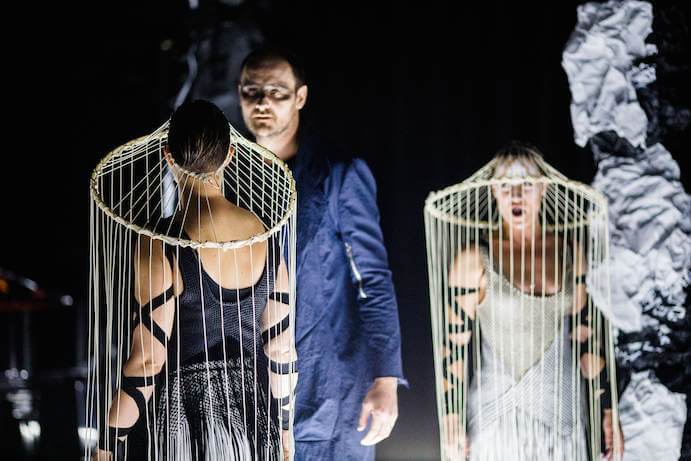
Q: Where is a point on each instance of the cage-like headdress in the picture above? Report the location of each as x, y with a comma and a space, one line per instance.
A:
192, 327
518, 279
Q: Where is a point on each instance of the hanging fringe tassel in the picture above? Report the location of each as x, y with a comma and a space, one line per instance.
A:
520, 437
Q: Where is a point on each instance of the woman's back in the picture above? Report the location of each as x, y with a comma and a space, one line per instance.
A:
221, 221
223, 293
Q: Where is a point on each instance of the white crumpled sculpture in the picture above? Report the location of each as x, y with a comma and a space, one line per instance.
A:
649, 211
650, 231
598, 60
652, 419
623, 311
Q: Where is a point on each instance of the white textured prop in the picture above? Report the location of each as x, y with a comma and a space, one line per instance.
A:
518, 277
650, 213
192, 306
598, 60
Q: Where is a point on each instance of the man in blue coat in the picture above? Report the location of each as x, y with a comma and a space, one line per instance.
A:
347, 330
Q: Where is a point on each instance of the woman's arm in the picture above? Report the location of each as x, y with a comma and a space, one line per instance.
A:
587, 330
277, 325
153, 322
466, 278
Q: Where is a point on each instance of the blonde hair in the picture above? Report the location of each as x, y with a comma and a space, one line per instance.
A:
520, 154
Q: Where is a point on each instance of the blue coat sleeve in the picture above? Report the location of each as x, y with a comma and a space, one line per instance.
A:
364, 245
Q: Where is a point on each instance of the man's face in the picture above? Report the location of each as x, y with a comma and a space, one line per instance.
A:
270, 99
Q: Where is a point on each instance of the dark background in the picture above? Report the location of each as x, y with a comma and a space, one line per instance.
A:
424, 91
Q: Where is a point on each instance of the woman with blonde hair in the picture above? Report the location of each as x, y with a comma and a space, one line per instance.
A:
522, 354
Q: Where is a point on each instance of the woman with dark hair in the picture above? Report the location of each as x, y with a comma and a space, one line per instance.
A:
211, 339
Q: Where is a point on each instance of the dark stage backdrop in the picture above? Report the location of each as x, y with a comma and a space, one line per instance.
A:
424, 91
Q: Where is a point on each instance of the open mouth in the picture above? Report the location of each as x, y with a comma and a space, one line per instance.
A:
517, 211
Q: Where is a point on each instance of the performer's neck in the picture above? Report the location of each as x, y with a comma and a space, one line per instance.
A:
198, 191
201, 202
284, 144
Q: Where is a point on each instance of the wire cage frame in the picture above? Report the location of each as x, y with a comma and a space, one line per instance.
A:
134, 198
471, 247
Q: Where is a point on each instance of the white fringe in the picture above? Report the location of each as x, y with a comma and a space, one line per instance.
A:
518, 436
220, 444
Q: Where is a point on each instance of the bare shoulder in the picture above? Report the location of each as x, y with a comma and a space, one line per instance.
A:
466, 268
153, 272
579, 258
148, 250
244, 223
252, 222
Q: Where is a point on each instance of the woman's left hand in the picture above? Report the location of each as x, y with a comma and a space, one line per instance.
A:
614, 444
287, 442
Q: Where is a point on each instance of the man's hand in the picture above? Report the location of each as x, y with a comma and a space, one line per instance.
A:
614, 447
381, 402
